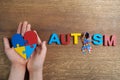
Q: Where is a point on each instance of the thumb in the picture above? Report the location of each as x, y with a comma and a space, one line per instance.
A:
6, 43
43, 50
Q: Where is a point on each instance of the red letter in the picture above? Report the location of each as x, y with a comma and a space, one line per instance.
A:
109, 40
65, 41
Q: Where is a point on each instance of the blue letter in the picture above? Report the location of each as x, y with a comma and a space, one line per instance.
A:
97, 39
54, 39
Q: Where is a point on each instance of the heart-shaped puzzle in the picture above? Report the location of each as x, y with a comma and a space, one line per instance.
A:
25, 45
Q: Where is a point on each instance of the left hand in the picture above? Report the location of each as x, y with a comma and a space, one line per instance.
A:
13, 56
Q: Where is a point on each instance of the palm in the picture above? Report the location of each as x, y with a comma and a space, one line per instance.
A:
13, 56
37, 59
31, 62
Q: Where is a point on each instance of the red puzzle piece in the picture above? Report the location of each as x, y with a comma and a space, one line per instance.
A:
30, 37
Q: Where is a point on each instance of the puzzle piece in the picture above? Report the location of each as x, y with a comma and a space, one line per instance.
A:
25, 46
29, 50
20, 51
30, 37
17, 39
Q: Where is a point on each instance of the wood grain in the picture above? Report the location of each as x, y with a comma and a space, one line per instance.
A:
66, 16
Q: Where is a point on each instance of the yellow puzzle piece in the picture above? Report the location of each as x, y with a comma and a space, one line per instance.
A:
20, 51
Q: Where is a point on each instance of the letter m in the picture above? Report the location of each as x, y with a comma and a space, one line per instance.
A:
109, 40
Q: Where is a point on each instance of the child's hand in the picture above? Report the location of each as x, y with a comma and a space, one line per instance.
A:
13, 56
35, 63
18, 63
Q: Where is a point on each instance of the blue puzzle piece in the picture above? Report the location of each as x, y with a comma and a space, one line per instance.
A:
30, 50
17, 39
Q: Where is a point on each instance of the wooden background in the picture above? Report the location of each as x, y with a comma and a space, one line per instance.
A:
66, 16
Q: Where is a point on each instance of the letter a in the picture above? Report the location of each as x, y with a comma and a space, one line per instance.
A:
54, 39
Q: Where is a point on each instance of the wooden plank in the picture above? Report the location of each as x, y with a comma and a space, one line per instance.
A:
66, 16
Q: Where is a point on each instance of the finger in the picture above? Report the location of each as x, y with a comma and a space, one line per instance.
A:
33, 54
28, 27
43, 51
39, 40
36, 51
19, 28
6, 43
24, 27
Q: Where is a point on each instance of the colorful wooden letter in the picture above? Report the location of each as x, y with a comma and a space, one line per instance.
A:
65, 39
109, 40
75, 37
97, 39
54, 39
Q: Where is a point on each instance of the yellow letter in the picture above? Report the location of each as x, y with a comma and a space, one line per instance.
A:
75, 37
